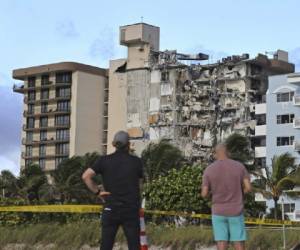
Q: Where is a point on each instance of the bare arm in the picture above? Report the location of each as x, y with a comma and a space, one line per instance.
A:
87, 177
247, 185
204, 192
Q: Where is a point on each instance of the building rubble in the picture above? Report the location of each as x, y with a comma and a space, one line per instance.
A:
187, 100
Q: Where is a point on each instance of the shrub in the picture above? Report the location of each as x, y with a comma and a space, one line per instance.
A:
179, 190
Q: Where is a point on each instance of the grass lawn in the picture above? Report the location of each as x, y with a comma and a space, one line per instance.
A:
73, 235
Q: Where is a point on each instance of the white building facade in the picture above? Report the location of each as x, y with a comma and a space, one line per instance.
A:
278, 128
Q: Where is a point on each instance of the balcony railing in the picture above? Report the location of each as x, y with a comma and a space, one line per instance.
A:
44, 141
26, 155
297, 100
297, 146
47, 112
27, 127
45, 83
296, 122
18, 88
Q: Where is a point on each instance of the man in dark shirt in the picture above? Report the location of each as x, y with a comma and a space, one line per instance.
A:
121, 173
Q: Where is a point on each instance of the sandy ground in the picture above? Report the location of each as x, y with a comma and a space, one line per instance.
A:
85, 247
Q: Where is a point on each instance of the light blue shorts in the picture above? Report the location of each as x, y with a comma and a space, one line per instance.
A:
229, 228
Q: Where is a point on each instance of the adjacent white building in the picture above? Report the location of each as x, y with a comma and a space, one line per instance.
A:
278, 128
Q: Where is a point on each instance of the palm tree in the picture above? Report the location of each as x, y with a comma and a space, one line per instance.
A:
8, 184
272, 181
32, 183
159, 158
68, 185
239, 149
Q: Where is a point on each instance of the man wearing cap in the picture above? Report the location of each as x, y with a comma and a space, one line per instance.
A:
121, 174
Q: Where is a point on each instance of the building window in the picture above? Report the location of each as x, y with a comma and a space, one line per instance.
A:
58, 160
45, 80
29, 136
28, 151
285, 141
30, 122
63, 106
105, 109
260, 162
289, 207
63, 77
260, 119
42, 150
63, 92
44, 122
62, 120
30, 109
62, 148
164, 76
287, 118
106, 96
45, 94
44, 107
260, 141
31, 82
43, 135
62, 134
104, 138
285, 97
42, 163
28, 162
31, 95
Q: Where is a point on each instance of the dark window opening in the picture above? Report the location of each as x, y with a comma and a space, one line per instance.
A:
261, 119
31, 82
287, 118
45, 80
45, 94
285, 97
44, 122
63, 77
285, 141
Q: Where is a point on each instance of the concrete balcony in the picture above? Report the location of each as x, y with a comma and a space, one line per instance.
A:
50, 112
296, 100
260, 108
45, 141
260, 130
45, 156
296, 122
49, 100
260, 198
260, 151
18, 88
49, 127
297, 146
294, 78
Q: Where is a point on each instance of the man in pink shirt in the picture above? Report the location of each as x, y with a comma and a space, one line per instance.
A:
227, 181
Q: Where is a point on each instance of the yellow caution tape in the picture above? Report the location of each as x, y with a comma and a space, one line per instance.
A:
53, 209
98, 209
253, 221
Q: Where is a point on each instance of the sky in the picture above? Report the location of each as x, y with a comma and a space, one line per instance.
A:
35, 32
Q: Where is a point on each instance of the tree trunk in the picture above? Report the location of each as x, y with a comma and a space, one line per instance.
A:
275, 208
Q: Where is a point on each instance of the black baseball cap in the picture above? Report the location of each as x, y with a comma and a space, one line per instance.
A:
121, 139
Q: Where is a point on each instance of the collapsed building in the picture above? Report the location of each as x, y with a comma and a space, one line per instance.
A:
194, 105
152, 94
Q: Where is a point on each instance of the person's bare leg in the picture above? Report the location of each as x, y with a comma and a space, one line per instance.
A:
222, 245
239, 245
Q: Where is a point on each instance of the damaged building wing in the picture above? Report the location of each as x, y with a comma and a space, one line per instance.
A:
193, 105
